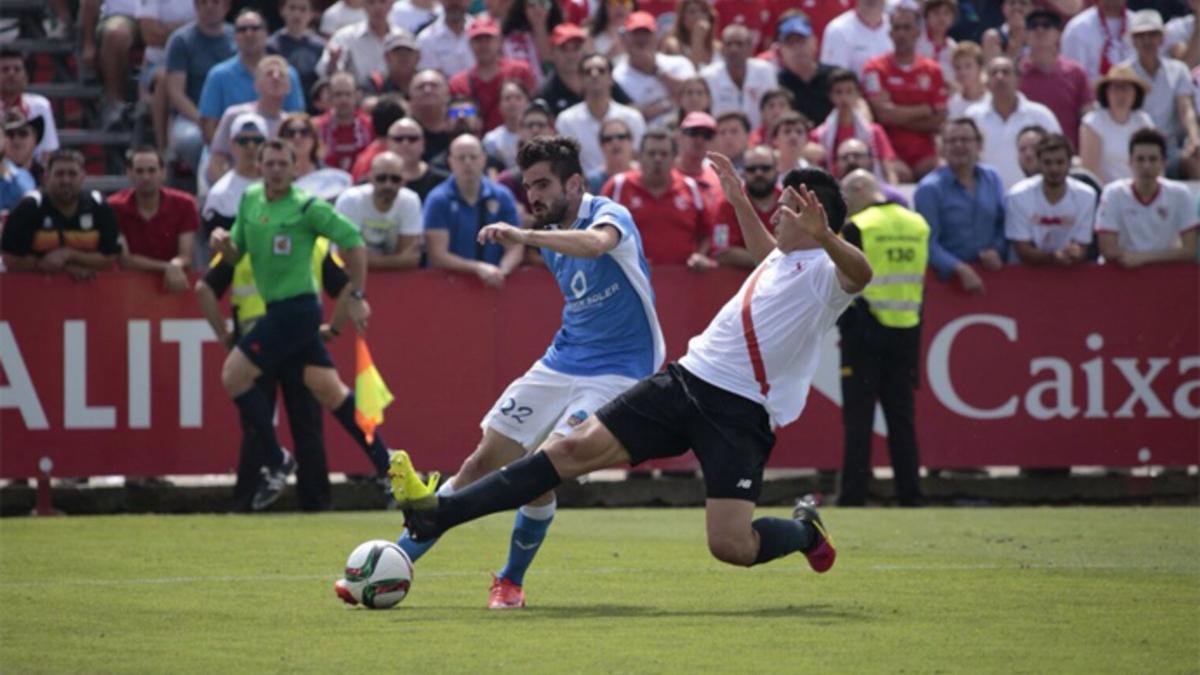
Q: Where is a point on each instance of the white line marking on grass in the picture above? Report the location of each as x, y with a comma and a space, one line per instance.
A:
1034, 566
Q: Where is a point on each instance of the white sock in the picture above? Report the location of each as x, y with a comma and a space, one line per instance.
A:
545, 512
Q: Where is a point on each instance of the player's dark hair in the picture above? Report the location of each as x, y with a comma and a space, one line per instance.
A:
826, 187
1148, 136
144, 149
1051, 143
388, 109
562, 153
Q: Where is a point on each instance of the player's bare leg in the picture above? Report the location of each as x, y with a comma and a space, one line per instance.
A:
333, 395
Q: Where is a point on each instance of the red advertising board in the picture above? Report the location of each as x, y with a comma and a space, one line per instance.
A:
1095, 365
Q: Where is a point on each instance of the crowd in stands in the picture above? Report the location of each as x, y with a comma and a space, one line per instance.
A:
1035, 131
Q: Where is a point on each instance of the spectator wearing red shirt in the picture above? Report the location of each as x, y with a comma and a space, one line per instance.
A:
481, 83
157, 223
1051, 79
666, 205
907, 95
761, 181
845, 123
696, 135
345, 130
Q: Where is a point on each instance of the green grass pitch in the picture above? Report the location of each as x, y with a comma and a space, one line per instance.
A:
1079, 590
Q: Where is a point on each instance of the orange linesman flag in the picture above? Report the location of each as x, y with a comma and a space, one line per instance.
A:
371, 395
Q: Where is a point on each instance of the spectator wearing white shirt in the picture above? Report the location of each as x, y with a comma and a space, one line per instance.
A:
1105, 131
358, 48
444, 44
1146, 219
1002, 119
739, 82
413, 15
1048, 217
968, 75
1169, 101
1098, 37
387, 214
651, 79
583, 120
935, 42
341, 14
501, 142
857, 36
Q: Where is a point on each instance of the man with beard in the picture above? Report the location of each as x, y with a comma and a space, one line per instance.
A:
761, 179
610, 338
1049, 217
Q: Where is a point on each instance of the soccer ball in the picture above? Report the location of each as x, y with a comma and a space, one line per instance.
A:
378, 574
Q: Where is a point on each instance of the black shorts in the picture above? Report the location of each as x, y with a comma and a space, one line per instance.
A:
672, 411
290, 331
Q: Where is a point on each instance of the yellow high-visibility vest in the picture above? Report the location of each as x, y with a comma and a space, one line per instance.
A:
896, 243
246, 300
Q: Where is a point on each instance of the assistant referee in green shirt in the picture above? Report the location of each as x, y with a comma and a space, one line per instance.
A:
277, 225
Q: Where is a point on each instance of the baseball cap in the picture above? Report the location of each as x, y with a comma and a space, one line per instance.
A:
641, 21
248, 122
797, 25
400, 39
699, 120
565, 32
1146, 21
481, 27
1043, 16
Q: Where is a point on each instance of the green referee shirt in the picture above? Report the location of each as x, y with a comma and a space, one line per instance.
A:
279, 237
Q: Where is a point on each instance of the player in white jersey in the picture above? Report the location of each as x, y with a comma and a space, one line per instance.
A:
746, 375
1049, 216
610, 338
1146, 219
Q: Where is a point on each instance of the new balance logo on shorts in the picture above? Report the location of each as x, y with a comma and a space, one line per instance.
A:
744, 484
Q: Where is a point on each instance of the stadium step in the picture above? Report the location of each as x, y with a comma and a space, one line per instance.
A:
29, 46
12, 7
66, 90
77, 137
106, 184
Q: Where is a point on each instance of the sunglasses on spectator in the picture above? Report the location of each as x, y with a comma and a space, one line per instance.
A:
293, 132
759, 168
462, 112
249, 27
404, 138
388, 178
609, 138
249, 140
706, 134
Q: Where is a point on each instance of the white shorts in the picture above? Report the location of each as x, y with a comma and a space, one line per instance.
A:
544, 401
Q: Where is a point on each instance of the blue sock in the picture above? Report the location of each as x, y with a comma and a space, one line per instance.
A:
376, 450
416, 549
529, 530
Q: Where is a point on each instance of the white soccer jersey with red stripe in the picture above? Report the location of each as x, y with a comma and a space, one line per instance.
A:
765, 342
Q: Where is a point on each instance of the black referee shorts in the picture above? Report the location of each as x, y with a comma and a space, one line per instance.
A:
289, 331
672, 411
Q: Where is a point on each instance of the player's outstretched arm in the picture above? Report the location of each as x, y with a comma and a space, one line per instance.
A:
853, 270
759, 241
593, 242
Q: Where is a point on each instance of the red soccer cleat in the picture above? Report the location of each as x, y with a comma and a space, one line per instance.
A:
822, 555
505, 594
344, 593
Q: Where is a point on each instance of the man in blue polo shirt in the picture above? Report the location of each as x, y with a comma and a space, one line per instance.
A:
231, 81
456, 210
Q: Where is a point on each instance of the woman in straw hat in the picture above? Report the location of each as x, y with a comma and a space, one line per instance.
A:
1104, 134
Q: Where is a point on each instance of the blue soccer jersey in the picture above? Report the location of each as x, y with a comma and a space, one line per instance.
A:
609, 325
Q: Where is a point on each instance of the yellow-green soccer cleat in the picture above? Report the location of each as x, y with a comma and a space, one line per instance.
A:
408, 489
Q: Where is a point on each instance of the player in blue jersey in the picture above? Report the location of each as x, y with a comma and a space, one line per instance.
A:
610, 337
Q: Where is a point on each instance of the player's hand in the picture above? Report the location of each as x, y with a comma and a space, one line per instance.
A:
490, 275
175, 279
503, 233
359, 311
802, 209
698, 262
731, 184
55, 260
990, 258
971, 281
326, 332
